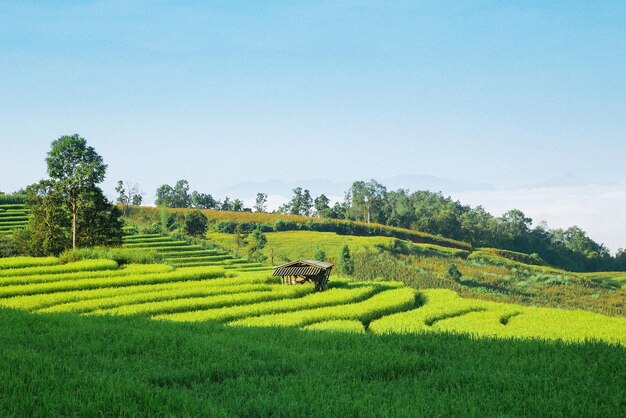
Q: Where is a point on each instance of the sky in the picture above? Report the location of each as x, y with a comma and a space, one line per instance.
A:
528, 97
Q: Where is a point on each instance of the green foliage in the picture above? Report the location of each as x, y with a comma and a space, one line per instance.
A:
202, 201
174, 197
367, 201
452, 272
257, 243
346, 264
196, 223
320, 254
226, 227
300, 204
128, 195
70, 210
260, 204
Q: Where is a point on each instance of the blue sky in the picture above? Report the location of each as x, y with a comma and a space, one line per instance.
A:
512, 93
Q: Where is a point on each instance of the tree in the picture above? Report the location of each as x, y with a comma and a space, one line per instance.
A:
237, 205
320, 254
367, 200
174, 197
260, 204
300, 204
322, 206
69, 209
76, 168
202, 201
196, 223
346, 264
257, 244
128, 195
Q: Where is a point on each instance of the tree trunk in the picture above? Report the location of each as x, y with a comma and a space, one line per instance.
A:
74, 215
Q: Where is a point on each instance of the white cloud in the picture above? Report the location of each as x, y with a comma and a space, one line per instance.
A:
599, 210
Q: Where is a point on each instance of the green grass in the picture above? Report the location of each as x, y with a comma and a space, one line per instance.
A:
42, 300
21, 262
381, 304
445, 311
209, 302
339, 325
200, 289
85, 265
91, 274
292, 245
67, 365
315, 300
182, 274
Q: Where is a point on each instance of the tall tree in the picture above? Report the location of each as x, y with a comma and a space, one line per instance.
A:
76, 168
367, 200
300, 204
202, 200
69, 209
174, 197
128, 195
322, 208
260, 204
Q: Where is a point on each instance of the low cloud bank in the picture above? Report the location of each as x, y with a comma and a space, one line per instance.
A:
599, 210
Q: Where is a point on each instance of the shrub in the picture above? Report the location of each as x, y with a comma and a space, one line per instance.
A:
452, 272
226, 226
196, 223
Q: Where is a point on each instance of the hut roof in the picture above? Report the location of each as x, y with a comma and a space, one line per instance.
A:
302, 268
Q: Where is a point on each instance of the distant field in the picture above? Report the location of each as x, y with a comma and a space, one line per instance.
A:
292, 245
13, 216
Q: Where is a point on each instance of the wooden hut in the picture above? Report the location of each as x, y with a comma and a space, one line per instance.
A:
302, 271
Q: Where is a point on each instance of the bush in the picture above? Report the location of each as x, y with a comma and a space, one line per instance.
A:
196, 223
452, 272
320, 254
282, 225
226, 227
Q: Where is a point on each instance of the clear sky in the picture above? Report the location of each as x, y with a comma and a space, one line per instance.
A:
512, 93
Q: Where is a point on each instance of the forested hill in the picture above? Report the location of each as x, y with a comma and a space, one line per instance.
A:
429, 212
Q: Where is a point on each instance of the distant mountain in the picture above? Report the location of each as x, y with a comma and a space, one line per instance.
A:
412, 182
571, 180
434, 184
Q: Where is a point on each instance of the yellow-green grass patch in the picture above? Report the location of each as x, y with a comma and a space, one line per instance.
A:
383, 303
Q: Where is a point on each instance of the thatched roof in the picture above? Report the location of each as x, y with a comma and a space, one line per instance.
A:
302, 268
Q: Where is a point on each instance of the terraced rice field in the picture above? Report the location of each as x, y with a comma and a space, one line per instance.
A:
181, 254
12, 217
222, 294
444, 311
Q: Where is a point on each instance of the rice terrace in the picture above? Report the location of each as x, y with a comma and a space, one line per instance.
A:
274, 284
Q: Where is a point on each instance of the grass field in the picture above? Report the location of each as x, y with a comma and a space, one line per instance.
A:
293, 245
67, 365
92, 337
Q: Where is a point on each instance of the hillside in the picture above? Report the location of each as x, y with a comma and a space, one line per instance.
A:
223, 289
485, 273
199, 330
